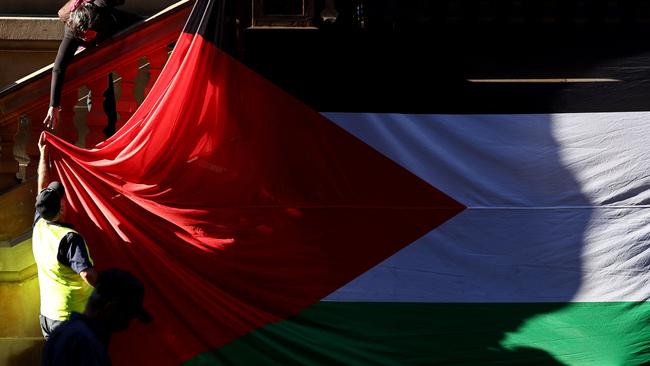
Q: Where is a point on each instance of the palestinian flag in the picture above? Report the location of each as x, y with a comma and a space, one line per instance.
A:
267, 233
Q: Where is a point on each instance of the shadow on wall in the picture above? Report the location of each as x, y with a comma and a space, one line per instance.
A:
29, 356
512, 255
628, 93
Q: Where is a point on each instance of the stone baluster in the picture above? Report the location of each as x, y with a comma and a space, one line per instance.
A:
110, 106
157, 60
33, 121
81, 115
66, 128
8, 164
141, 80
23, 139
124, 92
96, 119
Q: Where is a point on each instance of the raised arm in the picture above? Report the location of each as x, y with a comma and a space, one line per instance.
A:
43, 168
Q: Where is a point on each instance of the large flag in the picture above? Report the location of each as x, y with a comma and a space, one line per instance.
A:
267, 233
237, 205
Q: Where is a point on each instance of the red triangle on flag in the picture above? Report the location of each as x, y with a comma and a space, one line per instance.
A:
236, 204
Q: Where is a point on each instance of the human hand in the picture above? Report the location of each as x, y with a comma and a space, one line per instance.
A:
51, 118
42, 146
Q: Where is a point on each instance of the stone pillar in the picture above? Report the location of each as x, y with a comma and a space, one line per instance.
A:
81, 116
22, 139
157, 61
96, 118
141, 80
8, 165
126, 102
66, 128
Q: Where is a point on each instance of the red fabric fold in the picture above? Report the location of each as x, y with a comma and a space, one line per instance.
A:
235, 204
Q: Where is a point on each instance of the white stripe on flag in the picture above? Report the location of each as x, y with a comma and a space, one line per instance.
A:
557, 207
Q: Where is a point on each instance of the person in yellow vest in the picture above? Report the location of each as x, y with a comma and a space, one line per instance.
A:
66, 271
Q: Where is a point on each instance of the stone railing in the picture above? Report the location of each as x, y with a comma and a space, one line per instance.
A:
131, 61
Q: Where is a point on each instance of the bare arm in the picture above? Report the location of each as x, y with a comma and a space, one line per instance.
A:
43, 169
89, 275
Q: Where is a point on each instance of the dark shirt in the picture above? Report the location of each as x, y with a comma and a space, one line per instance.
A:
70, 44
107, 3
79, 341
72, 251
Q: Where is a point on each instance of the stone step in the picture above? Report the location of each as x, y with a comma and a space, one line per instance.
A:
25, 351
20, 338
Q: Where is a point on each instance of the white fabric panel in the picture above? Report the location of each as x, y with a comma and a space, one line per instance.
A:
556, 207
534, 160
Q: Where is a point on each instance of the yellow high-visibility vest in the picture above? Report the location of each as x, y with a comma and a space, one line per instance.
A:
62, 290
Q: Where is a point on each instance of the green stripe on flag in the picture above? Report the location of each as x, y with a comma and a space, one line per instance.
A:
447, 334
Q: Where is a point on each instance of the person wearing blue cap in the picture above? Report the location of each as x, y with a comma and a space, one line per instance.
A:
66, 272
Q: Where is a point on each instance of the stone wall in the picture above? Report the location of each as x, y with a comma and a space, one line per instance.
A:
49, 7
30, 33
20, 336
26, 45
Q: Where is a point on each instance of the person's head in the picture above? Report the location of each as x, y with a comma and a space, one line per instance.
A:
87, 21
50, 202
116, 299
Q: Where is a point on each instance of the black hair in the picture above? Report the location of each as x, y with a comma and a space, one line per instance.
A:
88, 16
82, 18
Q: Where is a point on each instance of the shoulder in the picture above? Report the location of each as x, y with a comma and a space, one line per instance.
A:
65, 225
37, 216
72, 241
73, 238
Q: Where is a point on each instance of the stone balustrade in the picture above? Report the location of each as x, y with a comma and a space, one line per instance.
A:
91, 109
103, 87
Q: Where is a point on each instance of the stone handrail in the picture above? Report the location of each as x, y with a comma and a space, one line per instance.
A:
131, 61
132, 56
